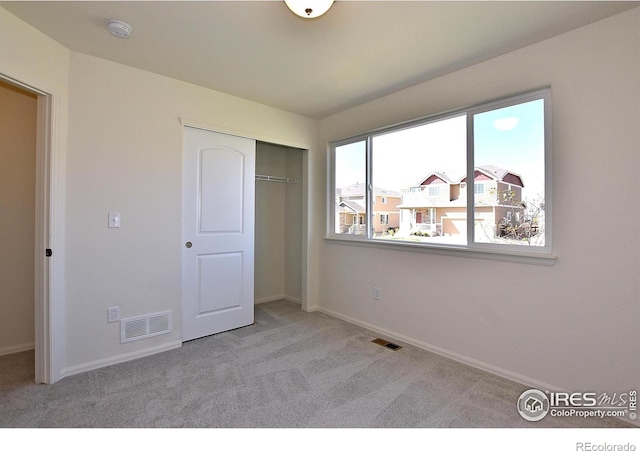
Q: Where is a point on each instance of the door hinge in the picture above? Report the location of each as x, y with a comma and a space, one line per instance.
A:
48, 252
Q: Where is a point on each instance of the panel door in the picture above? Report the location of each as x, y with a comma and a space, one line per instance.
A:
218, 232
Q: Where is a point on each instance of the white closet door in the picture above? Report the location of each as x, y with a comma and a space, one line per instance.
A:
218, 232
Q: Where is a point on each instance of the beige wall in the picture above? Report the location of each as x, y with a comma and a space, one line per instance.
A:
388, 208
574, 326
489, 194
295, 242
18, 111
270, 223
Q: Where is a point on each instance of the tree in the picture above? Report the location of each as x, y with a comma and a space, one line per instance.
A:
527, 228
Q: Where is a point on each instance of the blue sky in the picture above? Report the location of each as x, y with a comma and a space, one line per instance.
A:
520, 148
511, 138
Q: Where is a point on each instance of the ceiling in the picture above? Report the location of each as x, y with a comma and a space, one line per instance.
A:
259, 50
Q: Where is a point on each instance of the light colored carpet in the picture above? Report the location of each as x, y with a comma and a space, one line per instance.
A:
290, 369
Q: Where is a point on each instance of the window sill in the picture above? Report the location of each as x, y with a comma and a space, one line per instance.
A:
532, 258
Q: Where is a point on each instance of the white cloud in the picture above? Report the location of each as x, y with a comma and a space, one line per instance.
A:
506, 123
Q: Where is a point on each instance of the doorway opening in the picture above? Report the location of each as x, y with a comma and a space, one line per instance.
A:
18, 122
27, 153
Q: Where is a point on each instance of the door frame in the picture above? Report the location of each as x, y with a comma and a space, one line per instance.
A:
304, 148
49, 323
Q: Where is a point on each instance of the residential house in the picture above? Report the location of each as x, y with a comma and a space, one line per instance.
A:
437, 204
498, 202
351, 214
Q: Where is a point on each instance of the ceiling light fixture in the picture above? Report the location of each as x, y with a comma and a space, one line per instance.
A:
309, 9
119, 29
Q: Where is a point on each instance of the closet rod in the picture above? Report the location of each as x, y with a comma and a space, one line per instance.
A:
273, 178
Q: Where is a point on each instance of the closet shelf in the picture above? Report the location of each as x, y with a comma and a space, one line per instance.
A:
273, 178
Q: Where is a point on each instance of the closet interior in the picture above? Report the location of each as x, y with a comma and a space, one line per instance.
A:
278, 223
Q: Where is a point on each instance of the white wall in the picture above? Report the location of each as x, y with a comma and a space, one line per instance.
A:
572, 326
125, 155
17, 218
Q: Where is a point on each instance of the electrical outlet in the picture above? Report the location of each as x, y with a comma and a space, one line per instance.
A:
113, 314
377, 295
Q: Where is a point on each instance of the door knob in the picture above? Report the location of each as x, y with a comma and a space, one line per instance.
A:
188, 244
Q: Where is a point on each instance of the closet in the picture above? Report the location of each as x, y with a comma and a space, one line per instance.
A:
278, 223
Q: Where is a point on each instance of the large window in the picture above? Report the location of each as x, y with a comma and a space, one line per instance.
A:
423, 170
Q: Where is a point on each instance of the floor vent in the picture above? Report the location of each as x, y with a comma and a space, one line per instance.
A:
145, 326
386, 344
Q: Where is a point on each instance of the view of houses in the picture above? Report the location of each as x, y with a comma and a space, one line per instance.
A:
351, 210
436, 207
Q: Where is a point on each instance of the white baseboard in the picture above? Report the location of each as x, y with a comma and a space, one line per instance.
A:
70, 371
292, 299
492, 369
17, 348
277, 298
519, 378
269, 299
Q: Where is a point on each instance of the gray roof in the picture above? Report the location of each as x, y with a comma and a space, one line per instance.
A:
440, 174
498, 173
349, 205
495, 172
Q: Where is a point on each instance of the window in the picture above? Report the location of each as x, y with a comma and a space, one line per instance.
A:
384, 200
503, 147
432, 216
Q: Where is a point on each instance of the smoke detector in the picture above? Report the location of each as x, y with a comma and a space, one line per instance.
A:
119, 29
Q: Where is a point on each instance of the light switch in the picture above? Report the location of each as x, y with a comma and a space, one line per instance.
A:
114, 219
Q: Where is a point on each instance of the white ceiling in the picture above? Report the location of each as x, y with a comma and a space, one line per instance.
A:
260, 51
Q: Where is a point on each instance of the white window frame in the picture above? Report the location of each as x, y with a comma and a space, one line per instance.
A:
431, 213
517, 253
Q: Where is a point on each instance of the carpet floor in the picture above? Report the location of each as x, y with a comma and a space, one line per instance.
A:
291, 369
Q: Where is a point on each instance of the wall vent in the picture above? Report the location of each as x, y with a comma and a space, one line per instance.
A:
145, 326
